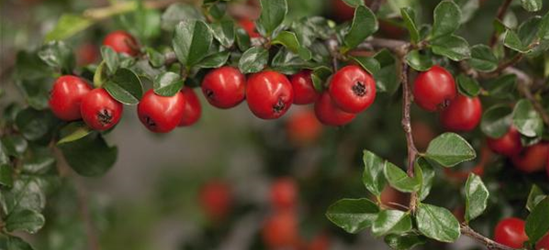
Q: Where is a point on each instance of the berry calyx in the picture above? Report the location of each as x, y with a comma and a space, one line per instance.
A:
193, 109
352, 89
434, 89
284, 194
161, 114
66, 97
304, 91
269, 94
224, 87
508, 145
122, 42
510, 232
303, 128
216, 200
100, 111
463, 114
280, 230
328, 113
532, 159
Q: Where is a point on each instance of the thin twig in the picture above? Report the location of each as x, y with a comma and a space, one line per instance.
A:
490, 244
500, 15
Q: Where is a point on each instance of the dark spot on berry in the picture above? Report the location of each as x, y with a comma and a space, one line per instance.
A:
150, 122
105, 117
209, 94
359, 89
279, 106
444, 104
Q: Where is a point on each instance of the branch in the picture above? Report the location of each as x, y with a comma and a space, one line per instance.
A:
125, 7
490, 244
500, 15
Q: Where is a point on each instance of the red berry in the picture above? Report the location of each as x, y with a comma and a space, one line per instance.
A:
216, 199
508, 145
510, 232
269, 94
86, 54
352, 89
304, 91
342, 11
66, 96
100, 111
463, 114
303, 128
280, 230
161, 114
284, 194
193, 109
532, 159
329, 114
224, 87
122, 42
434, 89
249, 27
543, 244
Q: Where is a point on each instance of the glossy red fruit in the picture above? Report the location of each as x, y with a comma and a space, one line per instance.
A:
463, 114
510, 232
434, 89
66, 96
352, 89
342, 11
533, 158
224, 87
543, 244
328, 113
303, 128
193, 109
86, 54
122, 42
284, 194
281, 231
161, 114
249, 27
100, 111
508, 145
304, 91
216, 199
269, 94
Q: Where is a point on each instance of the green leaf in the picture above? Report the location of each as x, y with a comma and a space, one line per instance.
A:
373, 176
288, 63
15, 243
532, 5
354, 3
476, 197
482, 58
191, 42
427, 177
39, 164
27, 193
437, 223
167, 84
289, 40
370, 64
25, 220
468, 86
535, 196
450, 149
409, 16
387, 78
543, 32
526, 119
29, 66
418, 61
404, 242
253, 60
156, 58
353, 215
391, 222
453, 47
447, 16
101, 75
73, 131
179, 12
34, 124
6, 175
143, 22
398, 179
224, 32
89, 156
67, 26
512, 40
496, 121
273, 13
14, 145
364, 24
110, 57
215, 60
242, 39
58, 55
125, 87
536, 222
528, 30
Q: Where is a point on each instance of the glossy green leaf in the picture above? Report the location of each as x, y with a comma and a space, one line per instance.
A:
482, 58
29, 66
110, 57
34, 124
418, 61
125, 87
364, 25
387, 78
391, 222
179, 12
476, 197
273, 13
215, 60
535, 196
73, 131
373, 176
437, 223
27, 193
167, 84
14, 145
447, 16
25, 220
38, 164
398, 179
253, 60
224, 32
427, 177
468, 86
67, 26
512, 40
58, 55
156, 58
89, 156
409, 16
543, 32
242, 39
370, 64
191, 42
453, 47
6, 175
404, 242
450, 149
536, 223
532, 5
353, 215
526, 119
16, 243
289, 40
496, 121
503, 87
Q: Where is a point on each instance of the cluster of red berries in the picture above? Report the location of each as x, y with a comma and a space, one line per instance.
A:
511, 232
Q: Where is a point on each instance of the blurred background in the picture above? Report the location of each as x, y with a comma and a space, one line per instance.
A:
161, 191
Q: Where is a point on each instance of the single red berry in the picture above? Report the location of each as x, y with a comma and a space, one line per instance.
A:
352, 89
161, 114
543, 244
281, 231
510, 232
193, 109
508, 145
319, 242
434, 89
329, 113
269, 94
342, 11
224, 87
249, 27
284, 194
122, 42
463, 114
303, 128
532, 159
86, 54
66, 96
100, 111
304, 91
216, 199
